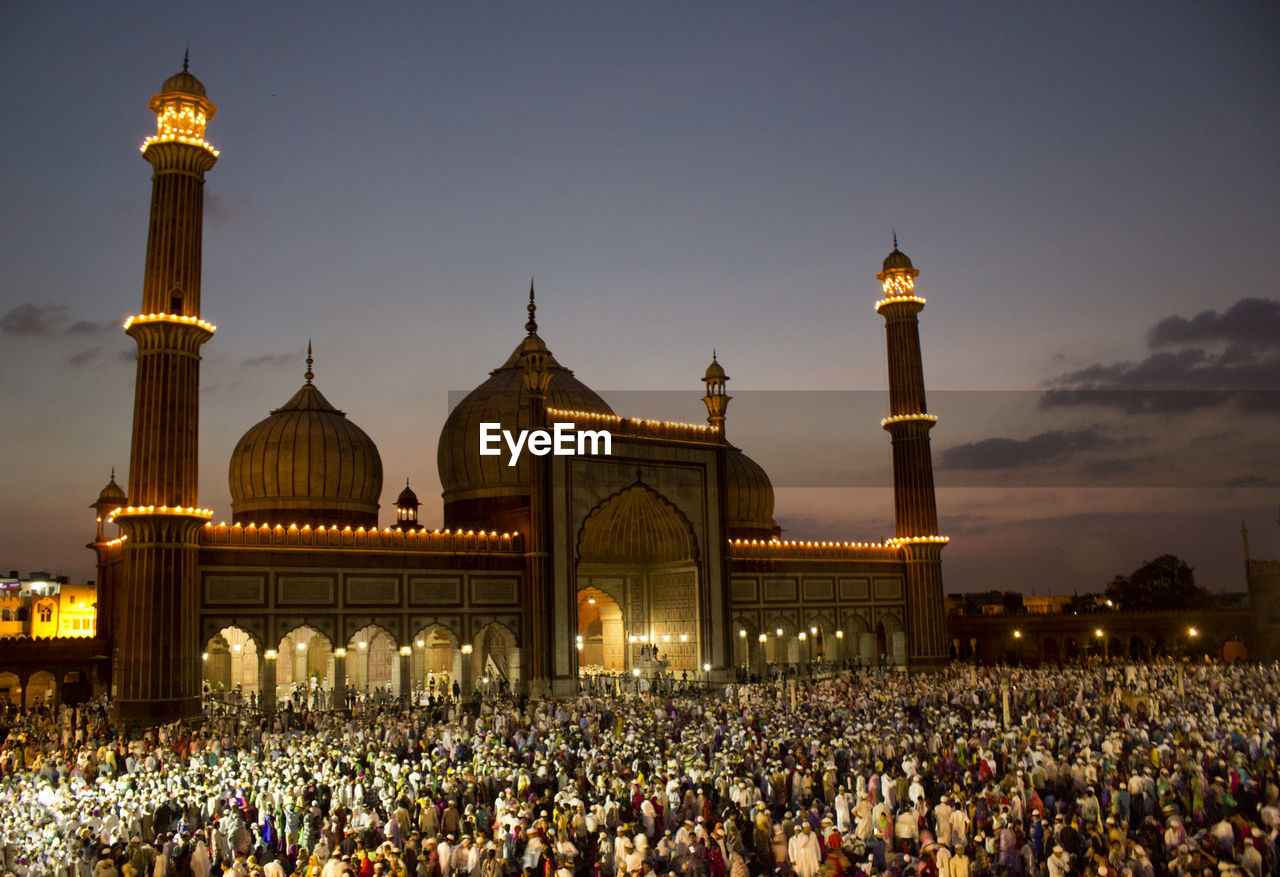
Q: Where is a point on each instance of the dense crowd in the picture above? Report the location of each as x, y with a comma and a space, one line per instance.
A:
1160, 770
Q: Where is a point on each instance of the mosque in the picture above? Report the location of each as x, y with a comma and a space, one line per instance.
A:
662, 543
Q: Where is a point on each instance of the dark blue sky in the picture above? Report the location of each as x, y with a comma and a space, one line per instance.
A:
681, 177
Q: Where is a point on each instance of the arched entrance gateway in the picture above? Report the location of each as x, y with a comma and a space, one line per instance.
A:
638, 562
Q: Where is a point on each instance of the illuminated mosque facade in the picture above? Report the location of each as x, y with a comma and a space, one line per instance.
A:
541, 571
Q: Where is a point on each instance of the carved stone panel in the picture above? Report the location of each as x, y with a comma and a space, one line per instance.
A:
744, 590
491, 590
383, 590
819, 589
888, 589
436, 590
780, 590
854, 590
240, 590
298, 590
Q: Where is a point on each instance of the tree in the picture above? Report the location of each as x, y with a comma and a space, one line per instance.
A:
1164, 583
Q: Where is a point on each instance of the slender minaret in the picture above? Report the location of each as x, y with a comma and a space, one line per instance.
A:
716, 400
915, 509
157, 646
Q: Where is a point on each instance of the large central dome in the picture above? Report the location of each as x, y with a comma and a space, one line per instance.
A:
485, 491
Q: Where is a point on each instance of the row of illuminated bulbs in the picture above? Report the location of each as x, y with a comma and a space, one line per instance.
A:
1099, 633
614, 418
802, 636
405, 651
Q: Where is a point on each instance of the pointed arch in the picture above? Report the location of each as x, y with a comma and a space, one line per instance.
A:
636, 525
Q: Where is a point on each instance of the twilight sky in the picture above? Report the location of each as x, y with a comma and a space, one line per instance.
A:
1090, 191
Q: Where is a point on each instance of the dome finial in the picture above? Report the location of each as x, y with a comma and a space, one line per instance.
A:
895, 238
532, 326
310, 374
186, 57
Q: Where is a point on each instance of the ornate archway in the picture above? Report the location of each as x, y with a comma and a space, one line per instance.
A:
602, 644
639, 550
230, 662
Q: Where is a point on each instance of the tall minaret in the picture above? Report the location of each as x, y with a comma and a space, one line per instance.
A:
157, 661
914, 506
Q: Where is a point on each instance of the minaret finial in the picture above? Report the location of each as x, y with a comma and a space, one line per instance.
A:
310, 374
713, 355
186, 57
895, 238
532, 326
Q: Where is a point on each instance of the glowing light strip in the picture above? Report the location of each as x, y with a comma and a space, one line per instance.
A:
584, 415
894, 543
170, 318
159, 510
347, 528
895, 299
899, 418
918, 540
178, 138
613, 418
791, 543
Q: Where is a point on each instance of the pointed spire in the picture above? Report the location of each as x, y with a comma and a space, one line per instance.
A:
532, 326
186, 57
895, 238
310, 374
713, 354
113, 473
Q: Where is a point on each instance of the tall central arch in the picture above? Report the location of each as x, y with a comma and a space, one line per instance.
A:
639, 551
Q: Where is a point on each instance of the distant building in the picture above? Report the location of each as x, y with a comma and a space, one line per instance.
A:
41, 606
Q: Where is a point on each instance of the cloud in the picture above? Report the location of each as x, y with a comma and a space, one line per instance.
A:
221, 213
84, 357
1052, 446
1227, 358
1250, 321
34, 321
88, 327
30, 320
273, 360
1251, 481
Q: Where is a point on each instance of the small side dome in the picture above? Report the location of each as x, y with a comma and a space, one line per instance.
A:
183, 81
715, 371
112, 495
750, 498
897, 260
407, 498
306, 464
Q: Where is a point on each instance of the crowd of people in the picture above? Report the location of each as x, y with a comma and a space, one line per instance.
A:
1159, 770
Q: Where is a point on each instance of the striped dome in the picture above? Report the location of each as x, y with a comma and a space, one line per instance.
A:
750, 498
306, 464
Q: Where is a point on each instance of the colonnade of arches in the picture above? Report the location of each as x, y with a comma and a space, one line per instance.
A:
29, 689
313, 672
1028, 647
783, 642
